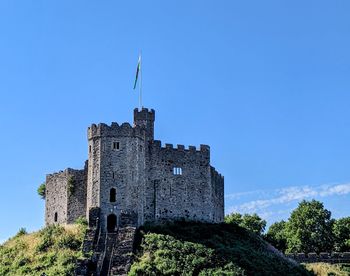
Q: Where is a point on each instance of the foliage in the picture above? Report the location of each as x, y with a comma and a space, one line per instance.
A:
22, 231
341, 232
192, 248
81, 221
71, 185
309, 228
324, 269
42, 190
52, 250
276, 235
251, 222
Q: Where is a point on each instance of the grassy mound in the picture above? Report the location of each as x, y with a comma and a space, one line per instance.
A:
53, 250
324, 269
189, 248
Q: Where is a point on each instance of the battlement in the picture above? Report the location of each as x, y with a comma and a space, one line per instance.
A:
144, 114
157, 144
104, 130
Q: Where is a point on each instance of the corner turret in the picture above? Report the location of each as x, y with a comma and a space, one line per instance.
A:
145, 118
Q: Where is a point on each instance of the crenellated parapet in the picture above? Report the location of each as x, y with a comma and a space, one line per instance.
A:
203, 149
144, 114
125, 129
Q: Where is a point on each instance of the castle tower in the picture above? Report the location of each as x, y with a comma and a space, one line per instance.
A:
116, 178
145, 118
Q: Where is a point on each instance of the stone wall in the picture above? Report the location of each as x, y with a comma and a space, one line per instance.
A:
325, 257
217, 182
189, 195
76, 205
56, 198
69, 202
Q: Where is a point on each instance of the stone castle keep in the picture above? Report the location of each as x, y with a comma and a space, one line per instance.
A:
128, 173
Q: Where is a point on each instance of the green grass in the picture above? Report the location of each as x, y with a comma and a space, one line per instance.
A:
324, 269
53, 250
189, 248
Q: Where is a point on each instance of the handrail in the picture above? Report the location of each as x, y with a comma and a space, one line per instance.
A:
104, 255
99, 236
112, 253
110, 262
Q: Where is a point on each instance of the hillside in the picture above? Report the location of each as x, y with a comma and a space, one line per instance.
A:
181, 248
53, 250
188, 248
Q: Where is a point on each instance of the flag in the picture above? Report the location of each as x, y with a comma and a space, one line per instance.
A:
137, 71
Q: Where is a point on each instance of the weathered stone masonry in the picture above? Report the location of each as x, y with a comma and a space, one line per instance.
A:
128, 171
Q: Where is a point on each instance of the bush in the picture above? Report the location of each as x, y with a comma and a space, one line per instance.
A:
71, 185
22, 231
81, 221
42, 190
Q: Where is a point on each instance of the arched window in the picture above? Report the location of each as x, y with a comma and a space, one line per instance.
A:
112, 195
56, 217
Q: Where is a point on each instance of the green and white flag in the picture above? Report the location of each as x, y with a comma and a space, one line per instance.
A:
137, 71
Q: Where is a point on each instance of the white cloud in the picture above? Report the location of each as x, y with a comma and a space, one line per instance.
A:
286, 195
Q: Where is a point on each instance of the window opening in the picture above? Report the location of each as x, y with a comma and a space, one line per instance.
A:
116, 145
177, 171
112, 195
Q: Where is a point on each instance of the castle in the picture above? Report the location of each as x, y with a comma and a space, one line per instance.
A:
128, 172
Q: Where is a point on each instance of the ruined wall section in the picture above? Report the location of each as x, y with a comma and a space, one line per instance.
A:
120, 166
56, 198
217, 182
77, 188
62, 199
175, 196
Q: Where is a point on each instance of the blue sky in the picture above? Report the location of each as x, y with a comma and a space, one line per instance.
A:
264, 83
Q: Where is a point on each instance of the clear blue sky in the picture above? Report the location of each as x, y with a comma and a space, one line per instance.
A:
264, 83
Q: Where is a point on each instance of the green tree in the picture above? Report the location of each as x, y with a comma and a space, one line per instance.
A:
276, 235
42, 190
252, 222
309, 228
341, 232
234, 218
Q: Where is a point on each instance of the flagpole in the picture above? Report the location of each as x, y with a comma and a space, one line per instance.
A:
140, 94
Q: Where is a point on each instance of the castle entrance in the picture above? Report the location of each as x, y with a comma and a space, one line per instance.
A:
111, 222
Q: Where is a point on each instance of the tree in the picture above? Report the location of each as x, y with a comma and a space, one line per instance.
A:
251, 222
309, 228
341, 232
42, 190
276, 235
234, 218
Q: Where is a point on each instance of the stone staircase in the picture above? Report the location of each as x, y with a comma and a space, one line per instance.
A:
112, 252
122, 253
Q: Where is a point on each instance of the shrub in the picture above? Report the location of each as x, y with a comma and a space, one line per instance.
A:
71, 185
42, 190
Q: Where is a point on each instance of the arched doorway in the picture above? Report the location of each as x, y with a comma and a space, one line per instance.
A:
111, 222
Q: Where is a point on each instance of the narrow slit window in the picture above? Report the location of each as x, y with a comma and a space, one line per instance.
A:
116, 145
112, 195
56, 217
89, 148
113, 175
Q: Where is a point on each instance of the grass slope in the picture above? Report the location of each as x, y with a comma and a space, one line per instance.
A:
53, 250
324, 269
189, 248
